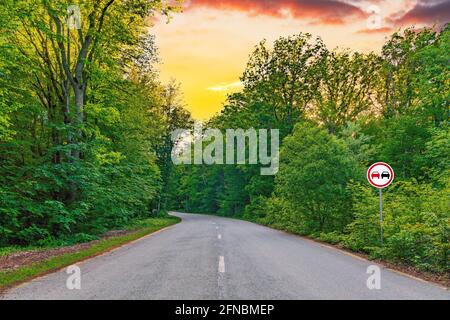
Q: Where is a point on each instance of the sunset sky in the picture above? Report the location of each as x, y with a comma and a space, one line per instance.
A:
206, 47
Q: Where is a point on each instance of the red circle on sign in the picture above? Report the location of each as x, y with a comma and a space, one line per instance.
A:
378, 172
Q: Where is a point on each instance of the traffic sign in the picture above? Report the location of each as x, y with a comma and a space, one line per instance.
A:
380, 175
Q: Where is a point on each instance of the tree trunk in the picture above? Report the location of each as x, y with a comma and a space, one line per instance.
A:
79, 118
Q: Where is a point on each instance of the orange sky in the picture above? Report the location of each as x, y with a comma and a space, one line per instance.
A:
206, 47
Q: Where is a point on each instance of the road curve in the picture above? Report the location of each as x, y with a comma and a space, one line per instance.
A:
207, 257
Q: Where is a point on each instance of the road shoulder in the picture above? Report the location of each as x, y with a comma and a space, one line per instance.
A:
45, 263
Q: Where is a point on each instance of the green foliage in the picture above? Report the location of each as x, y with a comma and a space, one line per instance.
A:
437, 152
337, 113
81, 120
363, 233
402, 142
314, 170
347, 87
416, 223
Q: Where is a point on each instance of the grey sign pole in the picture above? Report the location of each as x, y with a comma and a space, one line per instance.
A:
381, 215
380, 171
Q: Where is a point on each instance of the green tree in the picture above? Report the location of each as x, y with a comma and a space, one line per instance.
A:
398, 94
174, 116
432, 77
80, 114
315, 168
347, 89
285, 78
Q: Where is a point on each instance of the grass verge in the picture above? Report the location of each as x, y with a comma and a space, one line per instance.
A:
22, 274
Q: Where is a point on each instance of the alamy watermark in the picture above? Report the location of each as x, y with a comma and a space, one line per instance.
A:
375, 20
73, 17
374, 280
73, 282
237, 146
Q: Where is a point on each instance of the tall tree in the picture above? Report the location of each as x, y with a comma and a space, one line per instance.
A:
286, 78
347, 89
174, 116
398, 95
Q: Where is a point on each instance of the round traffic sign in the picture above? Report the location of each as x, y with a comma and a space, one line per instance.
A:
380, 175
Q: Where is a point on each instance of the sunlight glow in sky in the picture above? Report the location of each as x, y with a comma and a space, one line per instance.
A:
206, 47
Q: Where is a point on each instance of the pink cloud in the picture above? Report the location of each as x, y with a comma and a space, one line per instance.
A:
330, 12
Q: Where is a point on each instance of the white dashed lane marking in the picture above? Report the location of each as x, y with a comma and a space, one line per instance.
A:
221, 264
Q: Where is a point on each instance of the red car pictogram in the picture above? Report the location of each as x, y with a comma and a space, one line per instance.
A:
375, 174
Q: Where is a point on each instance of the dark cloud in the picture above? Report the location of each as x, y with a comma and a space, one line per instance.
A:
319, 11
427, 12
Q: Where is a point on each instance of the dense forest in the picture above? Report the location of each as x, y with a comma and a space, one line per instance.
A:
84, 120
339, 111
86, 123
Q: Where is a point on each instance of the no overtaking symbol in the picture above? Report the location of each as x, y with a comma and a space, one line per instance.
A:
380, 175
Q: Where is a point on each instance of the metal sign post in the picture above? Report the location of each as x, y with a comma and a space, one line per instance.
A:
381, 215
380, 175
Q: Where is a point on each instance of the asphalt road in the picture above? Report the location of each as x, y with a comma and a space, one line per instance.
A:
207, 257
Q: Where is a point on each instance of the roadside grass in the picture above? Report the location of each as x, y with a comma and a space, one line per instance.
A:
141, 228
